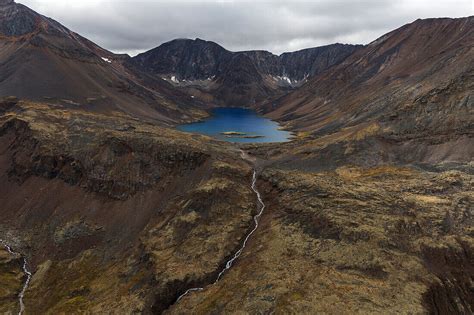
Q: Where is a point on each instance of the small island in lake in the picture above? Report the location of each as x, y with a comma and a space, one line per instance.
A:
252, 136
233, 133
238, 125
238, 134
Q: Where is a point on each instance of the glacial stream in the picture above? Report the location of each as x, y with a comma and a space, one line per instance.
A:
26, 272
256, 220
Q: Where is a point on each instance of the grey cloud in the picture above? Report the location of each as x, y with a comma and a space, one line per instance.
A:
275, 25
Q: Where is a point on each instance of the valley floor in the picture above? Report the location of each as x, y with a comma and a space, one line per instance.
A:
117, 216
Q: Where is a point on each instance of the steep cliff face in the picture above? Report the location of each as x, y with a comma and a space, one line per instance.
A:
204, 65
241, 83
303, 64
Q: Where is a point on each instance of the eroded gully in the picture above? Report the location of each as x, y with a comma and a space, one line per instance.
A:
25, 271
256, 219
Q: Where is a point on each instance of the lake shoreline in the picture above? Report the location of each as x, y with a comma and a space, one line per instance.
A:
236, 124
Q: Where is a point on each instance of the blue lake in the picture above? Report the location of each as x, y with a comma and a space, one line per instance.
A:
243, 122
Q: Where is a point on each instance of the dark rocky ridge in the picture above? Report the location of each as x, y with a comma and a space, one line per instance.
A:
205, 65
199, 59
186, 59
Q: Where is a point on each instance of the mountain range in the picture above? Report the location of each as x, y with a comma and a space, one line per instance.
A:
108, 208
237, 78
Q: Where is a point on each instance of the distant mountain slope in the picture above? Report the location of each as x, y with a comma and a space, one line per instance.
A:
42, 60
204, 65
414, 86
403, 64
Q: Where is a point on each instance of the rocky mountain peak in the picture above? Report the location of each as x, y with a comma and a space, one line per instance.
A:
6, 2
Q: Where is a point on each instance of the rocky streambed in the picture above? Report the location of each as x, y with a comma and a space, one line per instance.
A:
27, 275
230, 262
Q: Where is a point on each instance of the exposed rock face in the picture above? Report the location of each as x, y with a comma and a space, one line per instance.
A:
17, 20
453, 266
205, 65
303, 64
241, 84
86, 169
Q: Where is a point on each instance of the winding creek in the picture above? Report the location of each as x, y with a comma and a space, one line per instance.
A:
237, 254
25, 271
228, 264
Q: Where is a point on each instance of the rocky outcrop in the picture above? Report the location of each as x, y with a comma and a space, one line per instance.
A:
451, 293
241, 84
306, 63
101, 170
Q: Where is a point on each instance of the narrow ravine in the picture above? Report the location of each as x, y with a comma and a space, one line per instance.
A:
256, 220
25, 271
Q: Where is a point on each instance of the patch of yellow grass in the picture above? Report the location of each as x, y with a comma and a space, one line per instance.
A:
363, 133
429, 199
213, 185
352, 172
219, 165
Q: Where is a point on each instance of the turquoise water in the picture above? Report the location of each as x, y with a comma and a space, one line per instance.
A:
239, 120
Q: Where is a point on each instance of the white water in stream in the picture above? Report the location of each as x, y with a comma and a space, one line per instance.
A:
28, 277
256, 220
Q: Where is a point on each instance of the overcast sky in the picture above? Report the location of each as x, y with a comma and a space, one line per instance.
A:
134, 26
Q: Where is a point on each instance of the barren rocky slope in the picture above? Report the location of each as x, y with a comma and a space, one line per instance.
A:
385, 76
405, 98
42, 60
